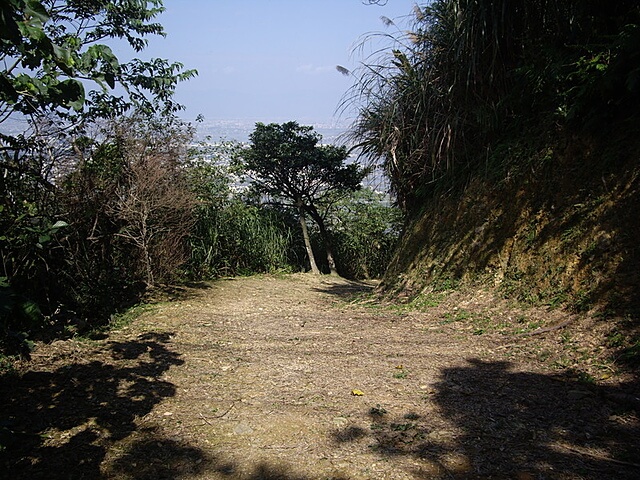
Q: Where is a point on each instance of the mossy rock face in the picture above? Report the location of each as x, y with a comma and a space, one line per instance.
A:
563, 235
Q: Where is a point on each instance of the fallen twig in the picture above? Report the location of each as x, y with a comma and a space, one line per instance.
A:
205, 419
227, 411
547, 329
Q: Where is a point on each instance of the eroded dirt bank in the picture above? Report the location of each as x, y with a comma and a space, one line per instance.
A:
291, 378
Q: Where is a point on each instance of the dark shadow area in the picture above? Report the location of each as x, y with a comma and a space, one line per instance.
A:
349, 434
64, 422
485, 421
174, 293
81, 421
152, 457
346, 290
264, 471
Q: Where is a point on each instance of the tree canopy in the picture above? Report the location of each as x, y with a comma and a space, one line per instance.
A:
53, 50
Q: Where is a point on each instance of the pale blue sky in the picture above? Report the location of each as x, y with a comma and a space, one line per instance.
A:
265, 60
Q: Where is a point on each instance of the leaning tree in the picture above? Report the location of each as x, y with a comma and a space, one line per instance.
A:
289, 165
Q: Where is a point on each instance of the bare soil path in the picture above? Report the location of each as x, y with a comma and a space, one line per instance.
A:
291, 378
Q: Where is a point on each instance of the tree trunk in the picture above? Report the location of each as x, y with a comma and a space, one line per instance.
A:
326, 239
307, 241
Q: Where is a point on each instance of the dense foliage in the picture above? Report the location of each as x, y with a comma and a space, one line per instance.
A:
75, 237
240, 231
365, 228
232, 234
53, 50
451, 99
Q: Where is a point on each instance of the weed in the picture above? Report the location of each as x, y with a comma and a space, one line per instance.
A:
401, 427
530, 239
377, 411
557, 299
125, 318
582, 301
615, 339
590, 249
445, 284
632, 354
544, 355
531, 326
456, 316
121, 320
585, 378
425, 301
402, 373
562, 363
565, 338
571, 234
7, 364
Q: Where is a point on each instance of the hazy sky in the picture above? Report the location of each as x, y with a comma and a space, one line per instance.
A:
267, 60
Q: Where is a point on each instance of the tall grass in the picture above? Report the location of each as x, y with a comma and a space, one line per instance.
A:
240, 239
468, 74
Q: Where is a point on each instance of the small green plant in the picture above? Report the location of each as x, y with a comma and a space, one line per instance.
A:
585, 378
122, 319
401, 427
631, 354
531, 237
445, 284
400, 372
615, 339
6, 364
529, 327
377, 411
565, 338
456, 316
426, 301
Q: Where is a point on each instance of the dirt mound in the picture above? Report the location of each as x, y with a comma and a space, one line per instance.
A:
304, 377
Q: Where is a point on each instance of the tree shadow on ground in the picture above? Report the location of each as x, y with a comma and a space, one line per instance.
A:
263, 471
175, 293
79, 419
483, 420
84, 420
346, 290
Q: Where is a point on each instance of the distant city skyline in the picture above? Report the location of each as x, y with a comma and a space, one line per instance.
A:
240, 129
267, 61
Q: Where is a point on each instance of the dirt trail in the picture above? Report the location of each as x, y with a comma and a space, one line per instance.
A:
288, 378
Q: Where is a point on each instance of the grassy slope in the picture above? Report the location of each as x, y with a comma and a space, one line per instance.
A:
564, 232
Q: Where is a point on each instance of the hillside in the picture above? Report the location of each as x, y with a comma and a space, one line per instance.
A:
509, 131
566, 232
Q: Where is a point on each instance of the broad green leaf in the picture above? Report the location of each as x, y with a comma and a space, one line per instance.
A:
59, 224
36, 11
64, 57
